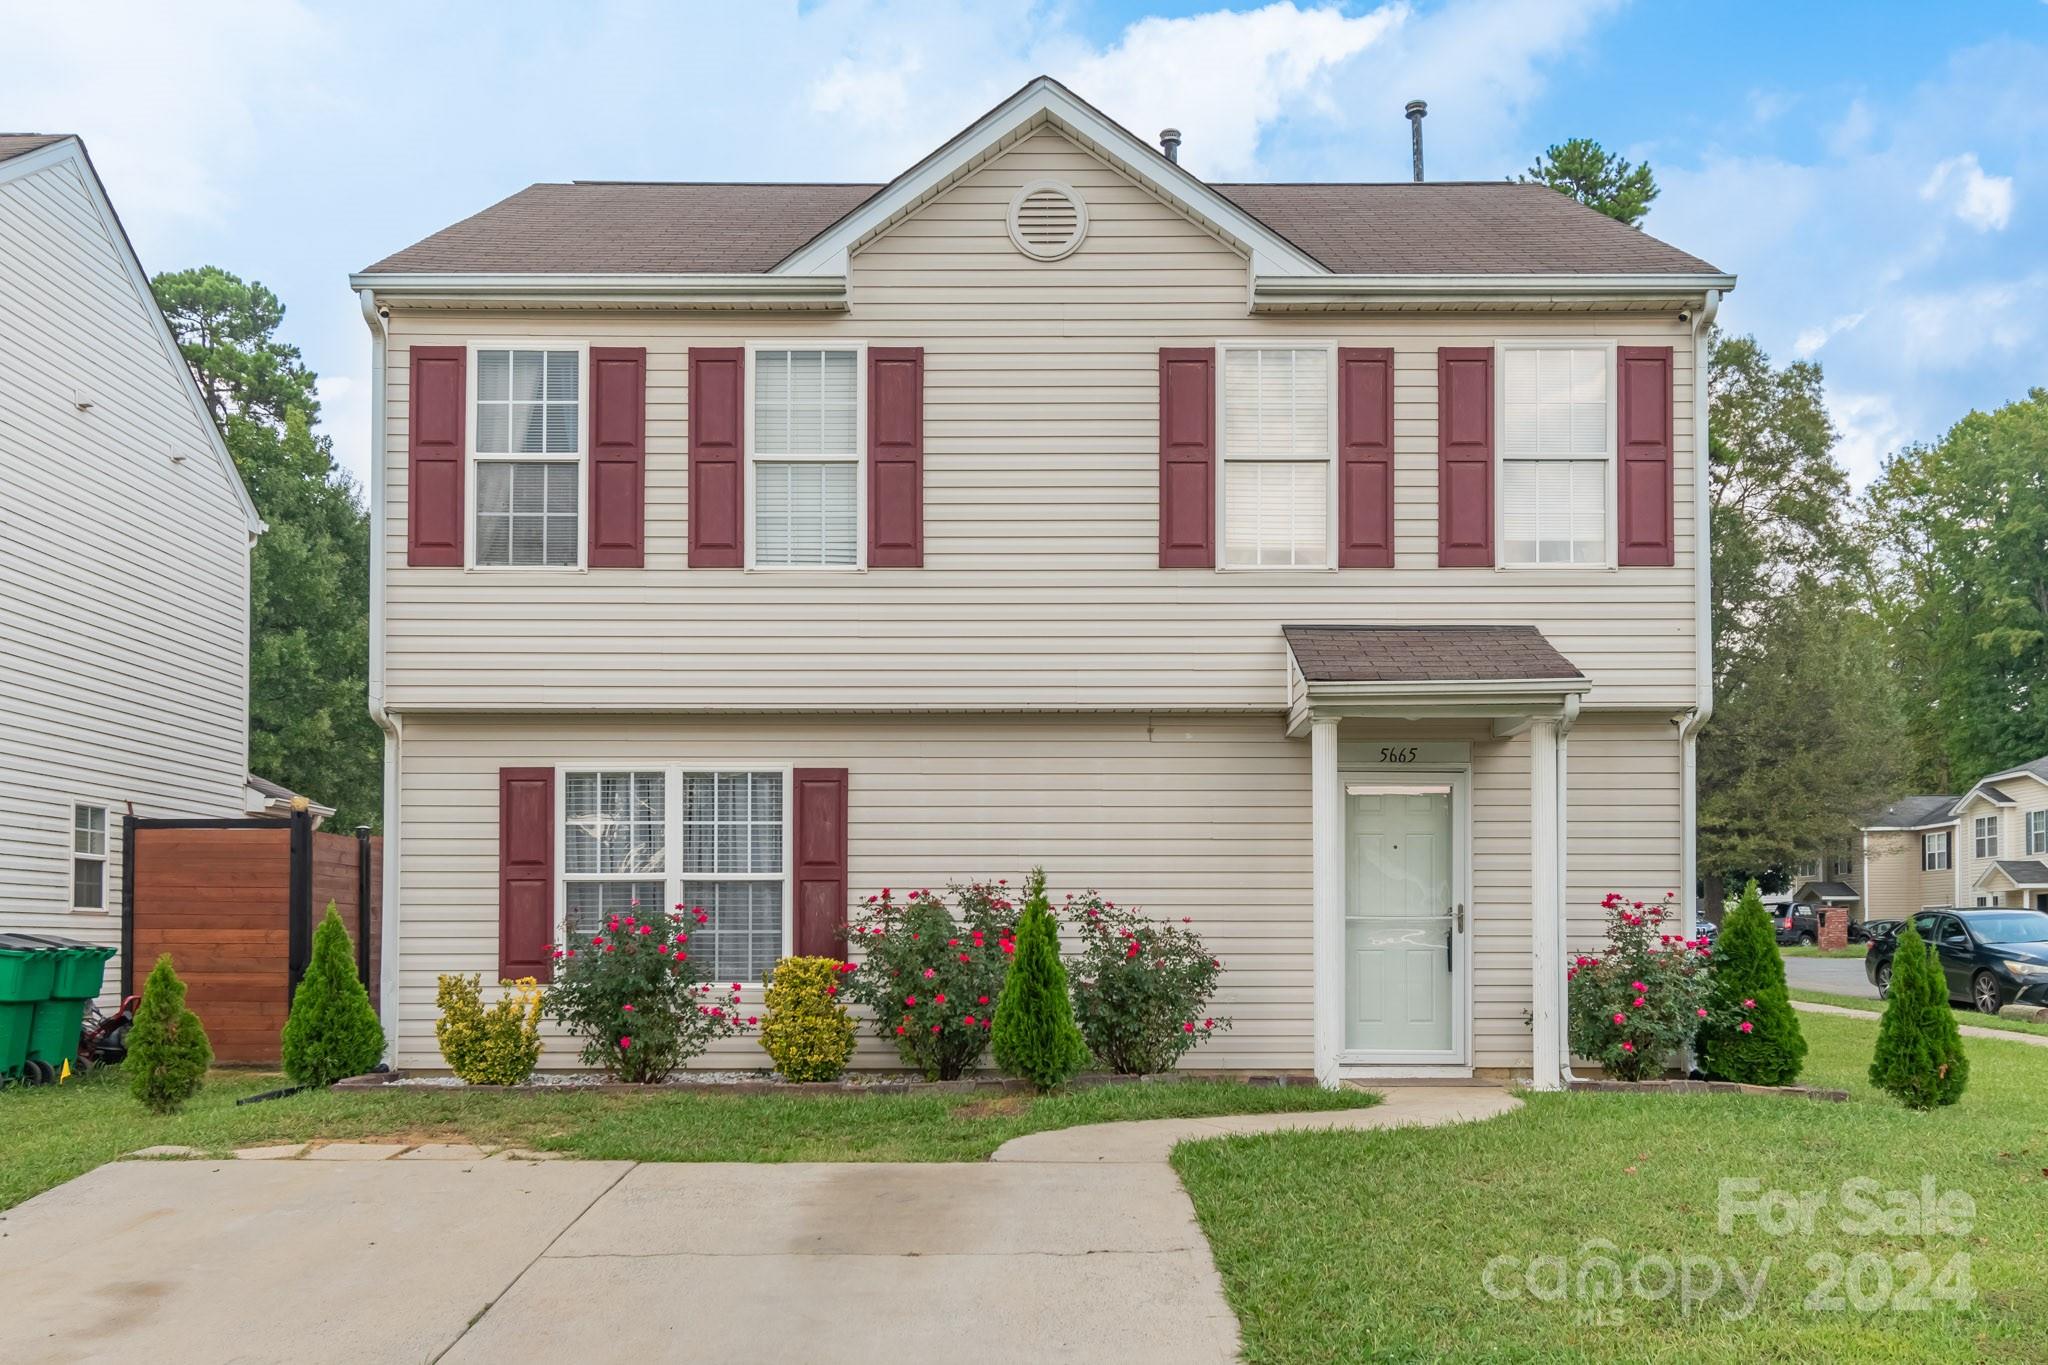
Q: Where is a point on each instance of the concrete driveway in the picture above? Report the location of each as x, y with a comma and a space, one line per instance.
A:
1837, 975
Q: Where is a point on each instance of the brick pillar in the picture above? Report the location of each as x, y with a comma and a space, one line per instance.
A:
1834, 927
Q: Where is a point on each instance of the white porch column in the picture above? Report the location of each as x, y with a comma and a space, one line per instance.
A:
1546, 921
1326, 806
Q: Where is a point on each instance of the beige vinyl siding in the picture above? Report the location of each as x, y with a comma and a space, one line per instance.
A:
1186, 815
1040, 588
1894, 884
124, 643
2028, 794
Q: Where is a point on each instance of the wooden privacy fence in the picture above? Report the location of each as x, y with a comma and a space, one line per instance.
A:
235, 902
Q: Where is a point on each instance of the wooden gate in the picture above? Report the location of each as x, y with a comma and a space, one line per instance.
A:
234, 902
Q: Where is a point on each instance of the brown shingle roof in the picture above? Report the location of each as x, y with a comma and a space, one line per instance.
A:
609, 227
1409, 654
18, 144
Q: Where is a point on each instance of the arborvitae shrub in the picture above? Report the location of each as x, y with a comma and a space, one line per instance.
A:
1919, 1060
1035, 1035
167, 1049
1751, 1034
332, 1032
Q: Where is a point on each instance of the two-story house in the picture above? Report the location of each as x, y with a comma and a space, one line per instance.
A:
124, 554
1988, 846
1321, 563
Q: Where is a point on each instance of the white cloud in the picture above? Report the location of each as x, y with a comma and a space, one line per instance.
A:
1871, 429
1811, 339
1983, 201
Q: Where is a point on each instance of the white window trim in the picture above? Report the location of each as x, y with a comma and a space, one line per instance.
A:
1984, 840
859, 460
2032, 846
581, 458
1928, 852
105, 858
1223, 456
671, 876
1500, 456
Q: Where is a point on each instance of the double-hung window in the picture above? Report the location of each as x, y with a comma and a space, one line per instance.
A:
1806, 870
641, 841
1934, 852
806, 442
526, 457
1984, 836
1557, 433
88, 857
2037, 831
1277, 456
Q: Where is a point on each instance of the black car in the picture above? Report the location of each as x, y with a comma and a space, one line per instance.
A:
1873, 930
1992, 956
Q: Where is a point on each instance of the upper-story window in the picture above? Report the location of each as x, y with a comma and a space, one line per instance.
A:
1841, 865
2037, 831
527, 469
805, 453
1557, 454
1806, 870
1984, 832
1934, 852
1277, 465
88, 857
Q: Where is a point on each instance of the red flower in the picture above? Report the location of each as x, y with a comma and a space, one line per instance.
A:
1746, 1026
627, 1008
963, 957
981, 1000
1628, 1046
1621, 1018
910, 1000
625, 1042
752, 1020
899, 1028
935, 1028
938, 1000
831, 990
970, 1021
1188, 1027
1208, 1023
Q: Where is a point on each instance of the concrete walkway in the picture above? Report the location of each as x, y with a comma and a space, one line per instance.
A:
1076, 1245
1967, 1030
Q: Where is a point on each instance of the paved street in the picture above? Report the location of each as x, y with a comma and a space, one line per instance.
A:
1837, 975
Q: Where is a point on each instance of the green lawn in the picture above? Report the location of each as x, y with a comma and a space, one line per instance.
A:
1351, 1246
50, 1134
1799, 950
1963, 1015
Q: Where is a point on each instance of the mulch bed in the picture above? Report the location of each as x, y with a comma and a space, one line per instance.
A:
1691, 1087
869, 1083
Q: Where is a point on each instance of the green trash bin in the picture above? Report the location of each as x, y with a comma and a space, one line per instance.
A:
27, 971
79, 970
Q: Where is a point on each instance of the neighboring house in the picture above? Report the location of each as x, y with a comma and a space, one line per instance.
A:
1834, 877
124, 551
272, 800
1988, 846
1320, 563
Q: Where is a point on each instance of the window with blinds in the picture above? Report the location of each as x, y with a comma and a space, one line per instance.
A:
1557, 454
1276, 454
526, 513
528, 417
806, 453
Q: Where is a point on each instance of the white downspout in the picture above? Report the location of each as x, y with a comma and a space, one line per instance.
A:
1564, 938
1703, 621
393, 728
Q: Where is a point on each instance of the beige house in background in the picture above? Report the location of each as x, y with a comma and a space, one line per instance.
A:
1986, 847
1321, 563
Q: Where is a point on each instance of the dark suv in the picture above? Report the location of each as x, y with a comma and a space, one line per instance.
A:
1992, 956
1795, 923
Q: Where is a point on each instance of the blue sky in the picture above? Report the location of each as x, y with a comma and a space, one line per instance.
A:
1875, 173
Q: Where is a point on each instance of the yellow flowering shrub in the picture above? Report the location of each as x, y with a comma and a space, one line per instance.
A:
808, 1032
495, 1046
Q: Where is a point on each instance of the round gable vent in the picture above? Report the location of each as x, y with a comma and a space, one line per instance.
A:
1048, 220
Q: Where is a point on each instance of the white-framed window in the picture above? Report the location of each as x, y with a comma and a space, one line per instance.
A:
1987, 900
1556, 434
1806, 870
526, 455
2037, 831
1278, 425
1841, 865
88, 857
1934, 852
1984, 836
644, 839
806, 446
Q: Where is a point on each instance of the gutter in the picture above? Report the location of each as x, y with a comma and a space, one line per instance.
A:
393, 728
1413, 289
816, 292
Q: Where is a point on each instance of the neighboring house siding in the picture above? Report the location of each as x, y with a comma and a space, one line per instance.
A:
1893, 882
1202, 816
1040, 586
123, 642
2028, 794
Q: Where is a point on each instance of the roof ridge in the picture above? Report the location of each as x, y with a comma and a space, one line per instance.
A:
733, 184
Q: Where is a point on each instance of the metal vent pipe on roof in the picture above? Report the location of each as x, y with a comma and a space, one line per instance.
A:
1169, 142
1417, 111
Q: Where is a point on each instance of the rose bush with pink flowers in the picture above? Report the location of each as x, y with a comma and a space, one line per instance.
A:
1633, 1006
1141, 986
639, 999
930, 977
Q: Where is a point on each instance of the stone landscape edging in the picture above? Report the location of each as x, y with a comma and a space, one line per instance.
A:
891, 1084
1692, 1087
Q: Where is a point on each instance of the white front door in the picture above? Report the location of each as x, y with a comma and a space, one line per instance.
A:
1403, 927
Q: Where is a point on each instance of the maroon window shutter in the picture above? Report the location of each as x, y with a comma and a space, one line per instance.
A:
1643, 501
819, 838
618, 456
526, 872
718, 498
1187, 457
1365, 457
1464, 479
895, 457
434, 475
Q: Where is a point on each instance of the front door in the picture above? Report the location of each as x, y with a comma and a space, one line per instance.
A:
1402, 925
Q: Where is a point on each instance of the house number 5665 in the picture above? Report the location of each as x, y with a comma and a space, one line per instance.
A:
1399, 753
